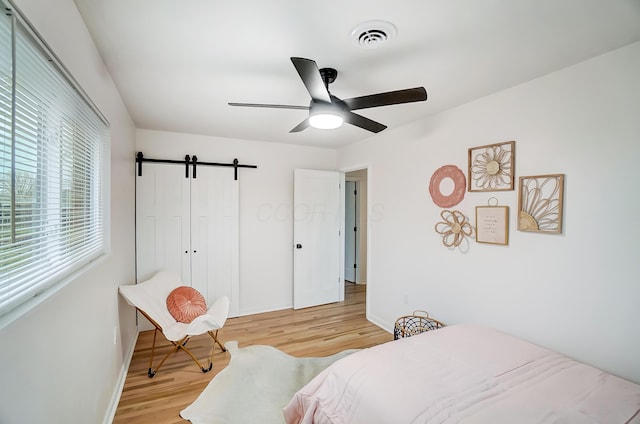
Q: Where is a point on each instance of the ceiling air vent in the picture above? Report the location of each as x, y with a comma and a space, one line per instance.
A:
371, 34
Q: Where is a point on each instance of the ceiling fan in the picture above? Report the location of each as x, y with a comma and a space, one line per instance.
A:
328, 111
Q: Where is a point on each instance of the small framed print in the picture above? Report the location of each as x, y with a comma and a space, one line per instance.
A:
492, 224
540, 203
492, 167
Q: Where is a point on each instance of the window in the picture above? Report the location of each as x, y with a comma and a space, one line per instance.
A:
53, 145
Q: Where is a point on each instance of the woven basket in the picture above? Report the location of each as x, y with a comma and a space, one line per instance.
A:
410, 325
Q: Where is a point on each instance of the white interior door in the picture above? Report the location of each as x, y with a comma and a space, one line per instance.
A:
162, 221
318, 255
214, 235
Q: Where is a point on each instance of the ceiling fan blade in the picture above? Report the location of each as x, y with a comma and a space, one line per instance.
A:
310, 75
418, 94
269, 106
301, 126
364, 123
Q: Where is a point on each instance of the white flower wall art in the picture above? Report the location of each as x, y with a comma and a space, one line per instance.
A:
540, 203
492, 167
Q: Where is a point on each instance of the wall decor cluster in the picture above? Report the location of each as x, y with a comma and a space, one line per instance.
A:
459, 186
454, 229
540, 203
492, 167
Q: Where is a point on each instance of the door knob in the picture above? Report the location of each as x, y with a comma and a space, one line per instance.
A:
298, 246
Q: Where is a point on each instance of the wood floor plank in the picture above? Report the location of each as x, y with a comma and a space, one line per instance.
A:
317, 331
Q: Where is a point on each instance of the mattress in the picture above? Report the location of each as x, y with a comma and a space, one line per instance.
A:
463, 374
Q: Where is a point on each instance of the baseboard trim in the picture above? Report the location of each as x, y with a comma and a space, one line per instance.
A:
380, 323
115, 397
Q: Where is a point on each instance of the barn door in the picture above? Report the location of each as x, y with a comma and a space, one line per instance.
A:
214, 235
163, 228
190, 226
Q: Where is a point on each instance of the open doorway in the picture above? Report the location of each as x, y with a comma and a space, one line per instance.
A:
355, 227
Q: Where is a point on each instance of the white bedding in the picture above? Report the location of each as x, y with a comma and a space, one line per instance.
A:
463, 374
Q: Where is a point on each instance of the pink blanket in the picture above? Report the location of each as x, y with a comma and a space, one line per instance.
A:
463, 374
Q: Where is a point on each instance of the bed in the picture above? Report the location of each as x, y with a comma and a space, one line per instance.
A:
463, 374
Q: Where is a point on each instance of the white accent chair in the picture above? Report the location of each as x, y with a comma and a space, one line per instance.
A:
150, 298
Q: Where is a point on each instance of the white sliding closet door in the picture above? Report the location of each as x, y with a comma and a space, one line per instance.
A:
190, 226
215, 234
163, 228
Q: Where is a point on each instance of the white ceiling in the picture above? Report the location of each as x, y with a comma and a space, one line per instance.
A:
178, 63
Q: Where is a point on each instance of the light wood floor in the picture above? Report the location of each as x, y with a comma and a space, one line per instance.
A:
318, 331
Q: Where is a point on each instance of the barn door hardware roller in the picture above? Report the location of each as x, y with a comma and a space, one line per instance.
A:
193, 161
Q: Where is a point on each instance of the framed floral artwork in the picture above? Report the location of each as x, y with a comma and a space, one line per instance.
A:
492, 167
540, 203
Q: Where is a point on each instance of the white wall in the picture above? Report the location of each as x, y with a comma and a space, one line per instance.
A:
58, 364
266, 204
578, 292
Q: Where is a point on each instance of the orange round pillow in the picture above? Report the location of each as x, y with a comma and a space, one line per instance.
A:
185, 304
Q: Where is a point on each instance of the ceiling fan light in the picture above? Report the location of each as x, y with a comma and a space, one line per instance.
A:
326, 121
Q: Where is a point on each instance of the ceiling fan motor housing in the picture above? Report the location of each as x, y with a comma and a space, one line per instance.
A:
336, 107
328, 75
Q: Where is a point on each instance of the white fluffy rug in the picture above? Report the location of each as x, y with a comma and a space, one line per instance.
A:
258, 382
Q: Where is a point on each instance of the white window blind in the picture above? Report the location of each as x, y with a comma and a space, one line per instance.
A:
52, 166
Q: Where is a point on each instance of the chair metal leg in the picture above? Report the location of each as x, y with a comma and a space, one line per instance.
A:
171, 352
214, 336
179, 345
150, 372
182, 345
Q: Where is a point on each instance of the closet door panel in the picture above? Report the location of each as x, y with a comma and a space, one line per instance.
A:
214, 235
163, 221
